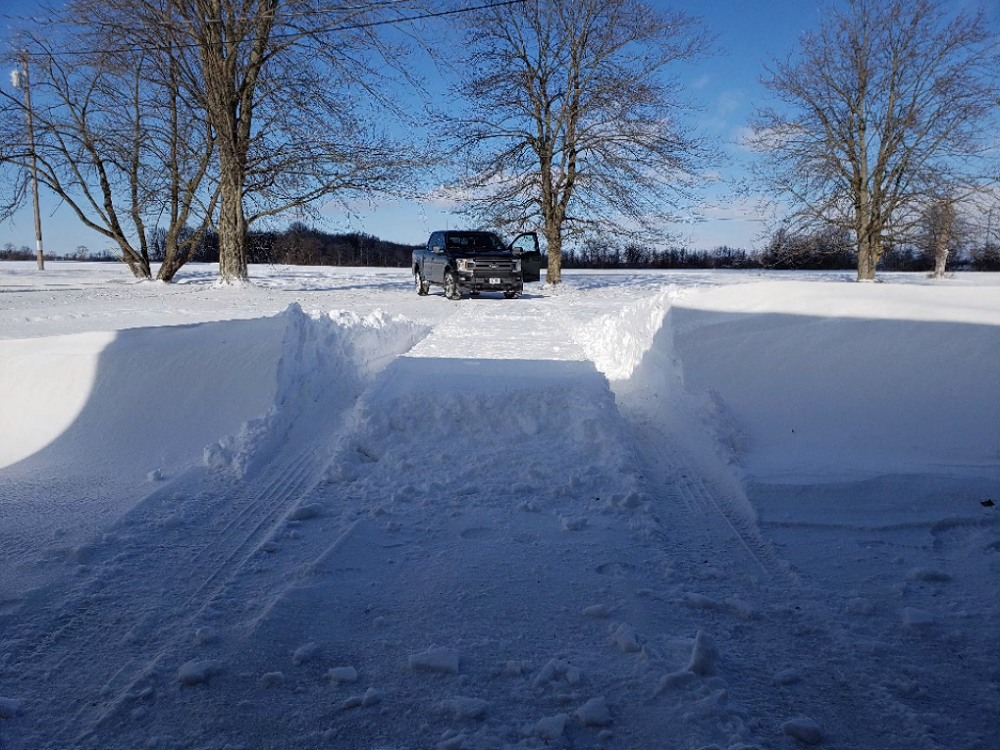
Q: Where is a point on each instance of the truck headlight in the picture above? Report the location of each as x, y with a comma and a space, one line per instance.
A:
517, 265
466, 265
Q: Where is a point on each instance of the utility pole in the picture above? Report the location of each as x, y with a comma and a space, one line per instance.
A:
18, 81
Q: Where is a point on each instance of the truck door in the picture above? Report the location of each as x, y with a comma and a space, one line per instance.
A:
525, 247
434, 259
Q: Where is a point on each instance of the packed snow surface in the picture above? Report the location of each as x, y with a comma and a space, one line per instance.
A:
638, 510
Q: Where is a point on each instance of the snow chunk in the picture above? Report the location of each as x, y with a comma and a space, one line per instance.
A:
787, 677
372, 697
551, 727
553, 670
624, 638
513, 668
463, 708
700, 601
677, 679
217, 456
205, 635
197, 671
305, 512
574, 523
594, 713
456, 742
741, 608
860, 606
304, 653
704, 656
598, 611
171, 522
338, 675
444, 660
704, 660
804, 730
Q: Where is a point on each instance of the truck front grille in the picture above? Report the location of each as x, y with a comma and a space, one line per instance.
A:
494, 268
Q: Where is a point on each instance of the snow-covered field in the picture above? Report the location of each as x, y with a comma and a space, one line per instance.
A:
641, 510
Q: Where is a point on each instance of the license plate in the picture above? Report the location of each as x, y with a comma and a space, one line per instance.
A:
494, 280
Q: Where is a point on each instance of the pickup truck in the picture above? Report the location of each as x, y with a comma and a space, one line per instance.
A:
474, 262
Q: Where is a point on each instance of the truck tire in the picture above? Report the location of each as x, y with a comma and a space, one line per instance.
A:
451, 290
422, 285
512, 294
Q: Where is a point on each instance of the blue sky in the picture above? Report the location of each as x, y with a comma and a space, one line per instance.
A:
726, 88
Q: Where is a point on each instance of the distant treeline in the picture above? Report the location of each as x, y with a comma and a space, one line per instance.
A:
785, 251
302, 245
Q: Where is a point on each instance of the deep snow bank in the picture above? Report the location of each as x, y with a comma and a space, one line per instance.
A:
133, 401
618, 342
886, 380
326, 360
91, 423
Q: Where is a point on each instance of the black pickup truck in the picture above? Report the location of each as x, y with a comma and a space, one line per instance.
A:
466, 261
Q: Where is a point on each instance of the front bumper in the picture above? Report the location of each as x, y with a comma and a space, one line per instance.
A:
483, 281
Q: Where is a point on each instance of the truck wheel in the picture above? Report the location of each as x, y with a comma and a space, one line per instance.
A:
422, 285
451, 290
511, 295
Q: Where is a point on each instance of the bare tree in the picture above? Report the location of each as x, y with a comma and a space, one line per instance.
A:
941, 230
942, 216
286, 84
574, 121
175, 110
886, 103
117, 137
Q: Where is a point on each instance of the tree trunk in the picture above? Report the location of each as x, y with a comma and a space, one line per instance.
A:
138, 265
233, 234
173, 256
940, 262
868, 252
169, 268
942, 240
554, 271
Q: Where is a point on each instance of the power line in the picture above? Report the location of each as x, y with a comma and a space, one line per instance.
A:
292, 35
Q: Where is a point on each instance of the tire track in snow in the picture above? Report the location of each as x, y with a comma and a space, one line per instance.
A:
709, 524
223, 543
243, 536
769, 658
225, 554
682, 468
634, 348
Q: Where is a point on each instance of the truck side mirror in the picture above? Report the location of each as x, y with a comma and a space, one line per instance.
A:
436, 249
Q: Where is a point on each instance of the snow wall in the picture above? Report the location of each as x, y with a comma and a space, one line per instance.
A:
893, 380
90, 423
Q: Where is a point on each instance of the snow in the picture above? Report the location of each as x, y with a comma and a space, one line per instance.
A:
640, 510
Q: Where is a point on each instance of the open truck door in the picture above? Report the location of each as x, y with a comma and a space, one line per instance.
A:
525, 247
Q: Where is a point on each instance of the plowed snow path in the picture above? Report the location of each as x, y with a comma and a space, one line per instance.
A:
459, 538
491, 328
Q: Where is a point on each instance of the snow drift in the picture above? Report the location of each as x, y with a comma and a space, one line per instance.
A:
833, 381
91, 422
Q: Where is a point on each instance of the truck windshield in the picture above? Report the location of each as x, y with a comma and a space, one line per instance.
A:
474, 241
